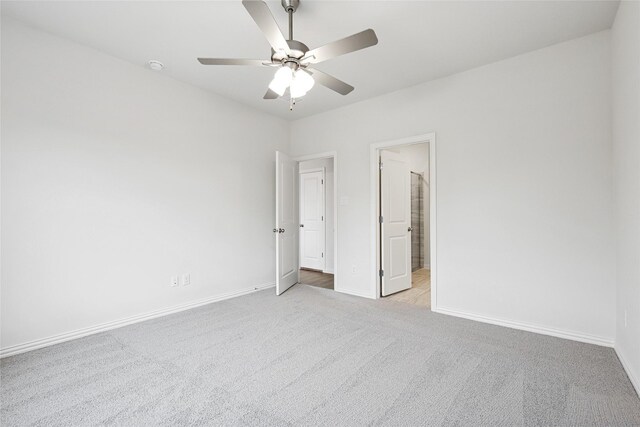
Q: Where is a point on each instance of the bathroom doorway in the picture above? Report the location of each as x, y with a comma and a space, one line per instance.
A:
404, 225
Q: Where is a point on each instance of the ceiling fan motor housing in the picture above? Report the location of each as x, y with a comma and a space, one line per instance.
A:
298, 50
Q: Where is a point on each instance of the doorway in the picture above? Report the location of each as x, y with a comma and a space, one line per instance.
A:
316, 222
305, 231
404, 186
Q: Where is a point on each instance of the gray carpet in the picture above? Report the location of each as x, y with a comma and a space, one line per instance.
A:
316, 357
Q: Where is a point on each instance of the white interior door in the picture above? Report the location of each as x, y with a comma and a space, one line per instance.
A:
312, 220
286, 230
395, 201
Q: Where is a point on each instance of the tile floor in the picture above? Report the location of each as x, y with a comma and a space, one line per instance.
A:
420, 292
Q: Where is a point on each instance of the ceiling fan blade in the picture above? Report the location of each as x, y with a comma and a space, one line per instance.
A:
262, 16
270, 95
232, 61
361, 40
331, 82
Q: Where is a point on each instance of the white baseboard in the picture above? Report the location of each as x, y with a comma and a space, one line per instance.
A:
635, 381
570, 335
79, 333
328, 270
356, 294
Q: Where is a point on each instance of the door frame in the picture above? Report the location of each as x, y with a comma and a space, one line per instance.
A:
375, 149
329, 155
324, 211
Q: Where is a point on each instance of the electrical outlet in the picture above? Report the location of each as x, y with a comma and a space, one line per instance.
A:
354, 269
186, 279
174, 281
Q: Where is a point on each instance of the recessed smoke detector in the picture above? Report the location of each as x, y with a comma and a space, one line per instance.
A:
155, 65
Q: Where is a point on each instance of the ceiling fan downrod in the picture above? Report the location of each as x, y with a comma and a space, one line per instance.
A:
290, 6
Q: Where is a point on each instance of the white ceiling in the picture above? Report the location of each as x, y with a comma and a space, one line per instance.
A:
419, 40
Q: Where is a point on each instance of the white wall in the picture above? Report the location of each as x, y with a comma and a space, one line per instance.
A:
329, 208
115, 178
524, 186
626, 157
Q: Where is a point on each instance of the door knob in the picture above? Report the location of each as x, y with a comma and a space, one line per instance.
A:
301, 225
275, 230
281, 230
409, 229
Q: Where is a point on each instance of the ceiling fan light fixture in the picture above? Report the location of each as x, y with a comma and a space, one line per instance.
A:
284, 75
296, 91
304, 79
278, 87
301, 84
281, 80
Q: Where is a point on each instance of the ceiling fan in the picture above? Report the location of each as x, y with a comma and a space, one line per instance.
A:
293, 59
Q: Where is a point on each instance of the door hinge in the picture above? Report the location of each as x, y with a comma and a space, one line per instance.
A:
381, 219
381, 273
381, 165
322, 181
322, 218
322, 255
